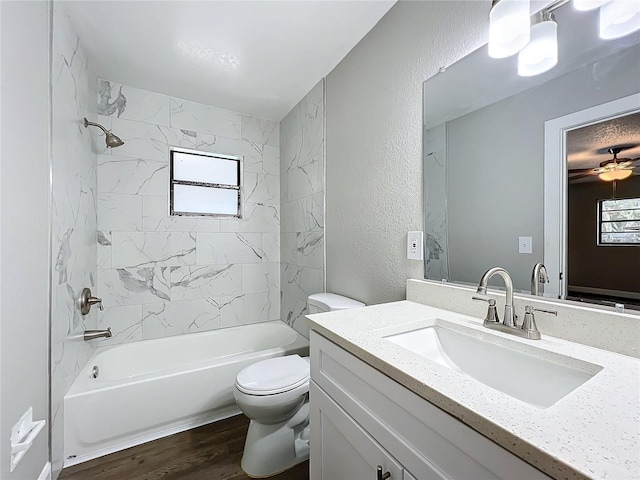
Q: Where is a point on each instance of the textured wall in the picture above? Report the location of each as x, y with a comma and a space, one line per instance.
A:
159, 275
374, 142
24, 228
302, 199
73, 223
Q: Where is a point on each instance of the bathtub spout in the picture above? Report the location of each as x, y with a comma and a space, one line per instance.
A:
93, 334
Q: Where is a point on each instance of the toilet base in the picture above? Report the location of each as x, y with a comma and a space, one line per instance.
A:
272, 449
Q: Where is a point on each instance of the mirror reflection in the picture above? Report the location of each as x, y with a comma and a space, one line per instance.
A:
514, 167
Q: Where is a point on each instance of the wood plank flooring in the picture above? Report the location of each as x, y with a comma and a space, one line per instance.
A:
210, 452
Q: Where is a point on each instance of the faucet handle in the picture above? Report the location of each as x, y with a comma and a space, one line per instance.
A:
529, 322
86, 300
492, 312
551, 312
94, 300
482, 298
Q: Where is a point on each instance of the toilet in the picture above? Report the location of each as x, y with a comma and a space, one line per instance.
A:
273, 393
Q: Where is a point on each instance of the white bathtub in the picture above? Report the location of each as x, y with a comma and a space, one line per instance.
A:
150, 389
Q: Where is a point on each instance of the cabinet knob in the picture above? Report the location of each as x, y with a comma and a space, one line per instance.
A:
382, 476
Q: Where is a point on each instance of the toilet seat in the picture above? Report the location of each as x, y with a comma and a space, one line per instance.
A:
273, 376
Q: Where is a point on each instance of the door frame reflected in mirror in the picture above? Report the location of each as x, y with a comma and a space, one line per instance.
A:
556, 182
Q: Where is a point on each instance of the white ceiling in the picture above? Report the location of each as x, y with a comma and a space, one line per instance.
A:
588, 146
254, 57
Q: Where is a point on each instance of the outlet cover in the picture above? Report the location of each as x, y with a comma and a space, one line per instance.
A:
414, 245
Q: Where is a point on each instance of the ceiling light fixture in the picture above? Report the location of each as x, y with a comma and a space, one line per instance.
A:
619, 18
615, 174
541, 53
511, 29
509, 22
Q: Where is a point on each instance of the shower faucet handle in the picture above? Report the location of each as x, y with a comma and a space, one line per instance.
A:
94, 300
87, 300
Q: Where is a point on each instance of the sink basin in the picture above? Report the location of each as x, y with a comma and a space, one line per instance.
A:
536, 381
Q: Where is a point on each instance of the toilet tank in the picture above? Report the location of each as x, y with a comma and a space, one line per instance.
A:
328, 302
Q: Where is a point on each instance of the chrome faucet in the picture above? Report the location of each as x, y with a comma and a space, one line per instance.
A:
94, 334
510, 317
538, 276
509, 324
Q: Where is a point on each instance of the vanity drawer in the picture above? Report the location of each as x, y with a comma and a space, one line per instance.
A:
419, 435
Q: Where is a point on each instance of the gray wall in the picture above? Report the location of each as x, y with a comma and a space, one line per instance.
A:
374, 142
495, 167
24, 227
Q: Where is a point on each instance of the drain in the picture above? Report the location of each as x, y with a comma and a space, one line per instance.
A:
95, 371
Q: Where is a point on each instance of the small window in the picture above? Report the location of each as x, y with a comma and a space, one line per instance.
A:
619, 222
205, 184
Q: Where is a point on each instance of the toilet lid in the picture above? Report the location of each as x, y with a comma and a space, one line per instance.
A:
273, 376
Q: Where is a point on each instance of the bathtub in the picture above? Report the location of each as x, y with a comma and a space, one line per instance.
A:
147, 390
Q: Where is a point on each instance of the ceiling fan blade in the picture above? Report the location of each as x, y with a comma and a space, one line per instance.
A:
578, 177
576, 171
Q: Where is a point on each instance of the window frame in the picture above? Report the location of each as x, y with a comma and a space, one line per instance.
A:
238, 187
600, 243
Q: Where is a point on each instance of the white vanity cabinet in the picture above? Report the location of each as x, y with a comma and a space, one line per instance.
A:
346, 449
361, 418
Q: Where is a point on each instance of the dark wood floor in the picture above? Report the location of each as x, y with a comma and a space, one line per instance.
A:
210, 452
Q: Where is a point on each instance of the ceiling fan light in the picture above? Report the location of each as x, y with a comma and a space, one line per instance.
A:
541, 53
588, 4
612, 175
619, 18
508, 27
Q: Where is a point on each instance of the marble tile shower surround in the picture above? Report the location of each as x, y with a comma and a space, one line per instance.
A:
302, 160
73, 216
436, 241
159, 275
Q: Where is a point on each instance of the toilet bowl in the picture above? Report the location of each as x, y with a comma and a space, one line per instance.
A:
273, 393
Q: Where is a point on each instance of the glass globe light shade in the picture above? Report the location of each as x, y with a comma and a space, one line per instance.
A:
619, 18
541, 53
508, 27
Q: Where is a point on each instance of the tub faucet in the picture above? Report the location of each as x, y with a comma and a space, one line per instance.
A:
93, 334
538, 276
510, 317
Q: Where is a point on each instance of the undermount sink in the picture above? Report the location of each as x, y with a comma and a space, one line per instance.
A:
531, 379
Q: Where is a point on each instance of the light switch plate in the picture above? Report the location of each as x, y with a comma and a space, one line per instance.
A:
525, 245
414, 245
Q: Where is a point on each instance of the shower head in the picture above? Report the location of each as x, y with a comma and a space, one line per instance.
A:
112, 140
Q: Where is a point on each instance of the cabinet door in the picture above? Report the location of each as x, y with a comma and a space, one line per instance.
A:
340, 448
407, 476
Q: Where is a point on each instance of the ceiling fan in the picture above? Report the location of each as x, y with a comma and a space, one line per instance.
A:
609, 170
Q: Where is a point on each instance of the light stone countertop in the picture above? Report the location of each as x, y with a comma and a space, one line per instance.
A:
593, 432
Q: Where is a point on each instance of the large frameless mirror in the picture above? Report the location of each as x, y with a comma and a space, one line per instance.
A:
517, 170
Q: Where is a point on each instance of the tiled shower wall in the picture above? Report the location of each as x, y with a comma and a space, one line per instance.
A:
160, 275
436, 226
73, 217
302, 199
